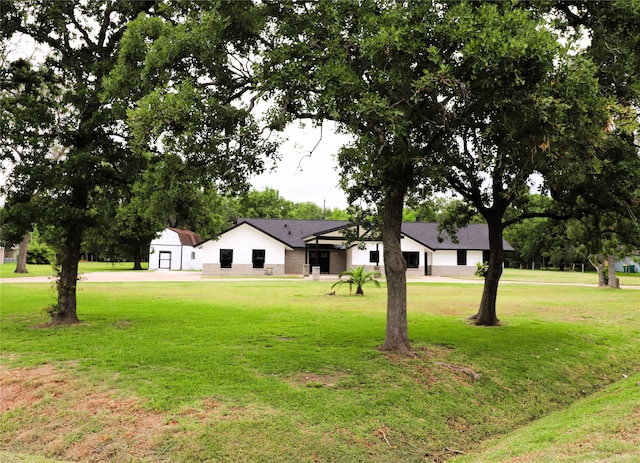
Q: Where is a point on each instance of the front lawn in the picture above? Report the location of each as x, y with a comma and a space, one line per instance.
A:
36, 270
236, 371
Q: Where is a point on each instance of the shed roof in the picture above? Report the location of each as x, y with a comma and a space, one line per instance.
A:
187, 237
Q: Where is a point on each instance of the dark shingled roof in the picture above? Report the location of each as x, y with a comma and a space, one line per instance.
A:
187, 237
474, 236
291, 232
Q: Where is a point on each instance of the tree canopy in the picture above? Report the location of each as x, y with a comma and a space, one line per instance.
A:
473, 97
122, 86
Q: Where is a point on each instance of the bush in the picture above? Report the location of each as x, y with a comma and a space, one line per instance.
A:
39, 253
481, 269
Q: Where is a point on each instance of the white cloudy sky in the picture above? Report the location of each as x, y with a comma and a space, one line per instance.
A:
302, 176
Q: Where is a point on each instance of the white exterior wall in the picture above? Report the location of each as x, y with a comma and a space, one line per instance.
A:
243, 240
473, 257
361, 256
445, 258
448, 258
441, 262
192, 258
180, 258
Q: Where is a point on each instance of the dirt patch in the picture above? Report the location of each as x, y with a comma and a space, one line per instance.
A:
47, 413
317, 380
425, 367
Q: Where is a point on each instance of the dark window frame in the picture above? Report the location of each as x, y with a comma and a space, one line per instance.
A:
412, 258
462, 256
226, 262
258, 258
374, 257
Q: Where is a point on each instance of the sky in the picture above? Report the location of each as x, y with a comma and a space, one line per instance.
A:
306, 174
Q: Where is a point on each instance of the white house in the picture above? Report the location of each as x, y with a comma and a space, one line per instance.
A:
176, 249
284, 246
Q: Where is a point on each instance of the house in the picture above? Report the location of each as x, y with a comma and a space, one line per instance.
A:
294, 247
176, 249
628, 265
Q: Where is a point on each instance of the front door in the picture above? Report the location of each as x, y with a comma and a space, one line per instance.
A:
319, 258
165, 260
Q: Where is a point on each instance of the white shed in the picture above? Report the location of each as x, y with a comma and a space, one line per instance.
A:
176, 249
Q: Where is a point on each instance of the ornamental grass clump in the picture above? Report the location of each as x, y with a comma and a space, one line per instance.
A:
357, 277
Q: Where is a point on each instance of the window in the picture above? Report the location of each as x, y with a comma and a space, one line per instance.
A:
374, 256
226, 258
257, 257
412, 258
485, 256
462, 257
193, 255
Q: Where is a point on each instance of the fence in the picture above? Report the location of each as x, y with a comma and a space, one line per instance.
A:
574, 266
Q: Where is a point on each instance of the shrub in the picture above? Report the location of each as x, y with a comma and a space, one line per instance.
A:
39, 253
357, 277
481, 269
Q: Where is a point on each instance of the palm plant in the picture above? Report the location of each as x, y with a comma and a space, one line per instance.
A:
357, 277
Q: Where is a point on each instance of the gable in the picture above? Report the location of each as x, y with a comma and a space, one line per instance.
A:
244, 235
293, 232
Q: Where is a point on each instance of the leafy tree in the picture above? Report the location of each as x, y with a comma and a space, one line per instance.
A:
307, 211
606, 191
530, 106
470, 96
357, 63
180, 96
267, 204
27, 96
190, 79
73, 152
357, 277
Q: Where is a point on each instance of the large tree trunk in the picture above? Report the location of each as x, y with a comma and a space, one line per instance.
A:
486, 315
602, 281
614, 282
66, 312
21, 263
137, 257
395, 270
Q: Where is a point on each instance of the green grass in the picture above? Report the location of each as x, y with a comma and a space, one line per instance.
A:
8, 270
603, 427
551, 276
294, 375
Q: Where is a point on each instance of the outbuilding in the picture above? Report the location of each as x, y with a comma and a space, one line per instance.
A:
176, 249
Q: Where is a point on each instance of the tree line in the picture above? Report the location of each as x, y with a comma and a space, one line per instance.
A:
146, 103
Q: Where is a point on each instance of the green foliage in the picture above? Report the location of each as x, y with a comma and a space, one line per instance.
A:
40, 253
357, 277
481, 269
